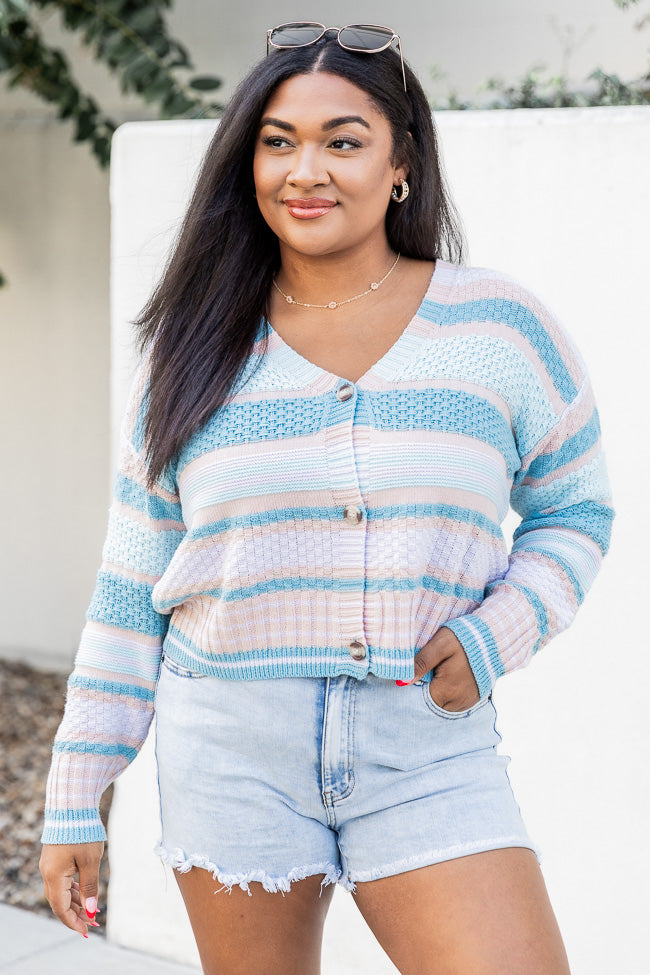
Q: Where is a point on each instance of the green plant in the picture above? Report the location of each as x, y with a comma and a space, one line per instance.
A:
129, 36
535, 91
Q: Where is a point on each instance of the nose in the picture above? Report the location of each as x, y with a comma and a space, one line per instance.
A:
308, 168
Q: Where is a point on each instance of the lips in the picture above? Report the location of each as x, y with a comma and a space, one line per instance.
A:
315, 206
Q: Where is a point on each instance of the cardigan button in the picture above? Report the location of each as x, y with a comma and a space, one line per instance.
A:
352, 514
357, 650
345, 392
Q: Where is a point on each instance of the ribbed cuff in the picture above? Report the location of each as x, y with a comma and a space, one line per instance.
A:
72, 826
478, 643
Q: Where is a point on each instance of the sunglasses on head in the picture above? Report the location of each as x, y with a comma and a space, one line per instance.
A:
360, 38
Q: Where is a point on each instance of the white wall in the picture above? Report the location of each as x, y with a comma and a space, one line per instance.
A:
561, 200
54, 250
54, 237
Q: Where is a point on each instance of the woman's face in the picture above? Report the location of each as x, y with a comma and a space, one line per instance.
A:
323, 165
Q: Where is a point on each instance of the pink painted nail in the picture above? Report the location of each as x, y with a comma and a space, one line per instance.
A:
91, 906
402, 683
85, 935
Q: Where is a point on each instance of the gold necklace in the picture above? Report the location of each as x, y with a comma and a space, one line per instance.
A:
335, 304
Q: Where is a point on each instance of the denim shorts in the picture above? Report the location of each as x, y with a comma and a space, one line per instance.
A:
277, 779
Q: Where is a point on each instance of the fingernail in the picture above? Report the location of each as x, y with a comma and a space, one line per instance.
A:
402, 683
93, 924
91, 906
85, 935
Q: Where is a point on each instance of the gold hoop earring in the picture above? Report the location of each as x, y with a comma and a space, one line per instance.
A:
403, 194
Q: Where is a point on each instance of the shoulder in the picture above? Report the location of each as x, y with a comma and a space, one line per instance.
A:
497, 289
496, 303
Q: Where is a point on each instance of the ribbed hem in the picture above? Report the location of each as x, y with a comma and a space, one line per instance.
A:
72, 826
480, 648
396, 664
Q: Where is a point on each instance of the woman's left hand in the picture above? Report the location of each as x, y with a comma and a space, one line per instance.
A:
453, 686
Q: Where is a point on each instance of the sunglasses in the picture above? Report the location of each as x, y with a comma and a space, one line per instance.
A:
360, 38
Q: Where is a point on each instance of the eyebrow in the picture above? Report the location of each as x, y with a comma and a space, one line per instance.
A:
333, 123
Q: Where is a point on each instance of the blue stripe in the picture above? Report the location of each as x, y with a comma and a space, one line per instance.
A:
72, 826
320, 513
126, 604
515, 315
447, 410
130, 493
95, 748
111, 687
493, 653
588, 517
331, 584
572, 448
468, 629
308, 661
71, 815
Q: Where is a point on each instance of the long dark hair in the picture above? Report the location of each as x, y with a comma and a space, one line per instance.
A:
201, 321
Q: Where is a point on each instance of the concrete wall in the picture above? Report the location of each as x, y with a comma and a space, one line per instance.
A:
54, 250
561, 200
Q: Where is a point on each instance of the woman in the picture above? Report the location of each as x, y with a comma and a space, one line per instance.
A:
329, 422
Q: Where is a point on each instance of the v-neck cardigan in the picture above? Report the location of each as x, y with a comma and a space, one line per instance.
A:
319, 527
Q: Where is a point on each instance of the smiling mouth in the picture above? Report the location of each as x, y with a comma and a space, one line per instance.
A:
309, 209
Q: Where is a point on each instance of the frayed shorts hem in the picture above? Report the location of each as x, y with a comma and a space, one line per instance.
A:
180, 861
439, 856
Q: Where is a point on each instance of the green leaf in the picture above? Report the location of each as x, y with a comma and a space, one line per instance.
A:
137, 67
161, 86
85, 126
205, 82
144, 20
175, 105
102, 149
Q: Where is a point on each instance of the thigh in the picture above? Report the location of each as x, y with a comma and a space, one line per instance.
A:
484, 914
258, 934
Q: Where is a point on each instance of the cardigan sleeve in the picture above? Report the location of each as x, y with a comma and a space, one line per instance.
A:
110, 692
562, 493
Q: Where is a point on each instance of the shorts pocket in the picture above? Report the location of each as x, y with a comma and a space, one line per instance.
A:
451, 715
178, 669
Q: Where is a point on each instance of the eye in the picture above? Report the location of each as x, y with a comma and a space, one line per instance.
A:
275, 141
344, 143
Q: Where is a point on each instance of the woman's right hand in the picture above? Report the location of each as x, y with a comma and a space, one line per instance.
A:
68, 898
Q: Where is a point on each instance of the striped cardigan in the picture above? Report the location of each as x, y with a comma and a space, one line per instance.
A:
320, 527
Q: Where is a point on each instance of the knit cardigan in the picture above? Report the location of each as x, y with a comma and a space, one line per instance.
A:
316, 526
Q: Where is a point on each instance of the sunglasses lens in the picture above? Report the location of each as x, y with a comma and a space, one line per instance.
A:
294, 35
361, 38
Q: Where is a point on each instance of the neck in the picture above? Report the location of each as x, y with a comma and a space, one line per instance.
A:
332, 277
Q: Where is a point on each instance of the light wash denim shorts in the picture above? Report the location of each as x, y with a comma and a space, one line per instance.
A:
277, 779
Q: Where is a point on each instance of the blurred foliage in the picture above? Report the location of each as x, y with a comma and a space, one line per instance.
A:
129, 36
536, 91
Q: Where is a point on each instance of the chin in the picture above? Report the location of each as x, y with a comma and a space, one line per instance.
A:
313, 248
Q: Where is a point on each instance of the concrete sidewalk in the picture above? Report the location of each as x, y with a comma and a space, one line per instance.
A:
35, 945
